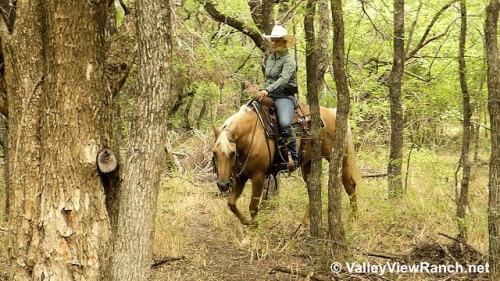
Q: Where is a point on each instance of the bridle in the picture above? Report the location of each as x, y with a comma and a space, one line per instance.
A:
237, 166
214, 166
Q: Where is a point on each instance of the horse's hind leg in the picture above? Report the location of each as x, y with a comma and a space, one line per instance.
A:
233, 197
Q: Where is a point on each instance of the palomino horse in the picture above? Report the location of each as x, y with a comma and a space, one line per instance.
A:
243, 152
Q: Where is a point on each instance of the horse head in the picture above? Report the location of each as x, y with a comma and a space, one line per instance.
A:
224, 158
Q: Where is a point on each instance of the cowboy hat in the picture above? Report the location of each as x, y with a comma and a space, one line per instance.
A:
280, 32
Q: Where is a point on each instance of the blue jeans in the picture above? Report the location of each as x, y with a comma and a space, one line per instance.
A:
285, 107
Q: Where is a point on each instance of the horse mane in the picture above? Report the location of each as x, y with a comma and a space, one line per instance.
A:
223, 140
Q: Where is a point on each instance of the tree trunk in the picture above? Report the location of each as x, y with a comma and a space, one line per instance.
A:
24, 64
394, 168
122, 52
475, 136
4, 138
145, 162
187, 110
4, 143
493, 72
120, 57
262, 13
336, 227
466, 134
202, 114
315, 72
59, 117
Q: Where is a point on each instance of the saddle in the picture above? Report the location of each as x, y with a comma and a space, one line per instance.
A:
301, 122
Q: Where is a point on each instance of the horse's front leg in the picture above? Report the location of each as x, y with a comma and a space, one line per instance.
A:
237, 189
257, 187
350, 187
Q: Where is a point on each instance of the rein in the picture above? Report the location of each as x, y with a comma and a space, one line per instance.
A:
249, 149
238, 174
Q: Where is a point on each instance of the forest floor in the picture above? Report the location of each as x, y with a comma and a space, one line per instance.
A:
211, 245
198, 239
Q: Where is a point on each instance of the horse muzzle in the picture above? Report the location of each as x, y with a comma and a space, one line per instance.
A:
224, 187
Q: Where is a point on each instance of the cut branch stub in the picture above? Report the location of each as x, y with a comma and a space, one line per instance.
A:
106, 161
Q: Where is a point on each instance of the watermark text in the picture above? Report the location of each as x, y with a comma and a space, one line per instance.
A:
401, 268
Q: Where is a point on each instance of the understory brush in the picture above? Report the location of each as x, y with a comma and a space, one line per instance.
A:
189, 203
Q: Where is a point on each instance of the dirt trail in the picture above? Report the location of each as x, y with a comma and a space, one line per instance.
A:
213, 254
212, 251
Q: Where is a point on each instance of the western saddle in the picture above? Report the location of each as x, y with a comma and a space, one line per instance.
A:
301, 123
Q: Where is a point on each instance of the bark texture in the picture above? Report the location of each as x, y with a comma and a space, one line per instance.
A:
335, 224
463, 196
493, 61
314, 86
144, 162
59, 118
394, 168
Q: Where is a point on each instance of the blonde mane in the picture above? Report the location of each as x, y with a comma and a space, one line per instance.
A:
224, 143
223, 140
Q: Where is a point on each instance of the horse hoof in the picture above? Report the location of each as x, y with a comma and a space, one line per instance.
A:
302, 227
299, 230
245, 242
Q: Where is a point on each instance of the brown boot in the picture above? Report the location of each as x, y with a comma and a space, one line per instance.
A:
292, 165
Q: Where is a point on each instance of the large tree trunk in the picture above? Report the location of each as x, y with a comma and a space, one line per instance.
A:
24, 65
59, 117
462, 199
394, 168
493, 62
316, 68
145, 162
336, 227
4, 143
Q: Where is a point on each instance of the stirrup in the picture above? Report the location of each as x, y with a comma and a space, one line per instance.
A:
290, 164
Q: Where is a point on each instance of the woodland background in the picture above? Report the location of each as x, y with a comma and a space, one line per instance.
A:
172, 69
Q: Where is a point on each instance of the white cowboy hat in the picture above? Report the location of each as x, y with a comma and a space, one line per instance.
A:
280, 32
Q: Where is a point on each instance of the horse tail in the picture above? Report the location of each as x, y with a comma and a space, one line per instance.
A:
350, 157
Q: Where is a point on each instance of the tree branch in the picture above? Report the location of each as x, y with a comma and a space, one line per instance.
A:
363, 8
162, 261
307, 275
413, 26
253, 34
423, 40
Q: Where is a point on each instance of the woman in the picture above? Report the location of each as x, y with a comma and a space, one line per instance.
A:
280, 85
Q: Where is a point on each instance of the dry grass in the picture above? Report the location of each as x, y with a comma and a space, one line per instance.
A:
384, 226
198, 238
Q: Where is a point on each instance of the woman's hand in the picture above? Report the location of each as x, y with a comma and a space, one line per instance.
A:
261, 94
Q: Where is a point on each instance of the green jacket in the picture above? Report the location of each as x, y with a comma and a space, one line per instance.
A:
280, 72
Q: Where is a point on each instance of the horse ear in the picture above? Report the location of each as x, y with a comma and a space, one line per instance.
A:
216, 131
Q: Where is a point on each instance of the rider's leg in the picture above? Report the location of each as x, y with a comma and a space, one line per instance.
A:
284, 109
